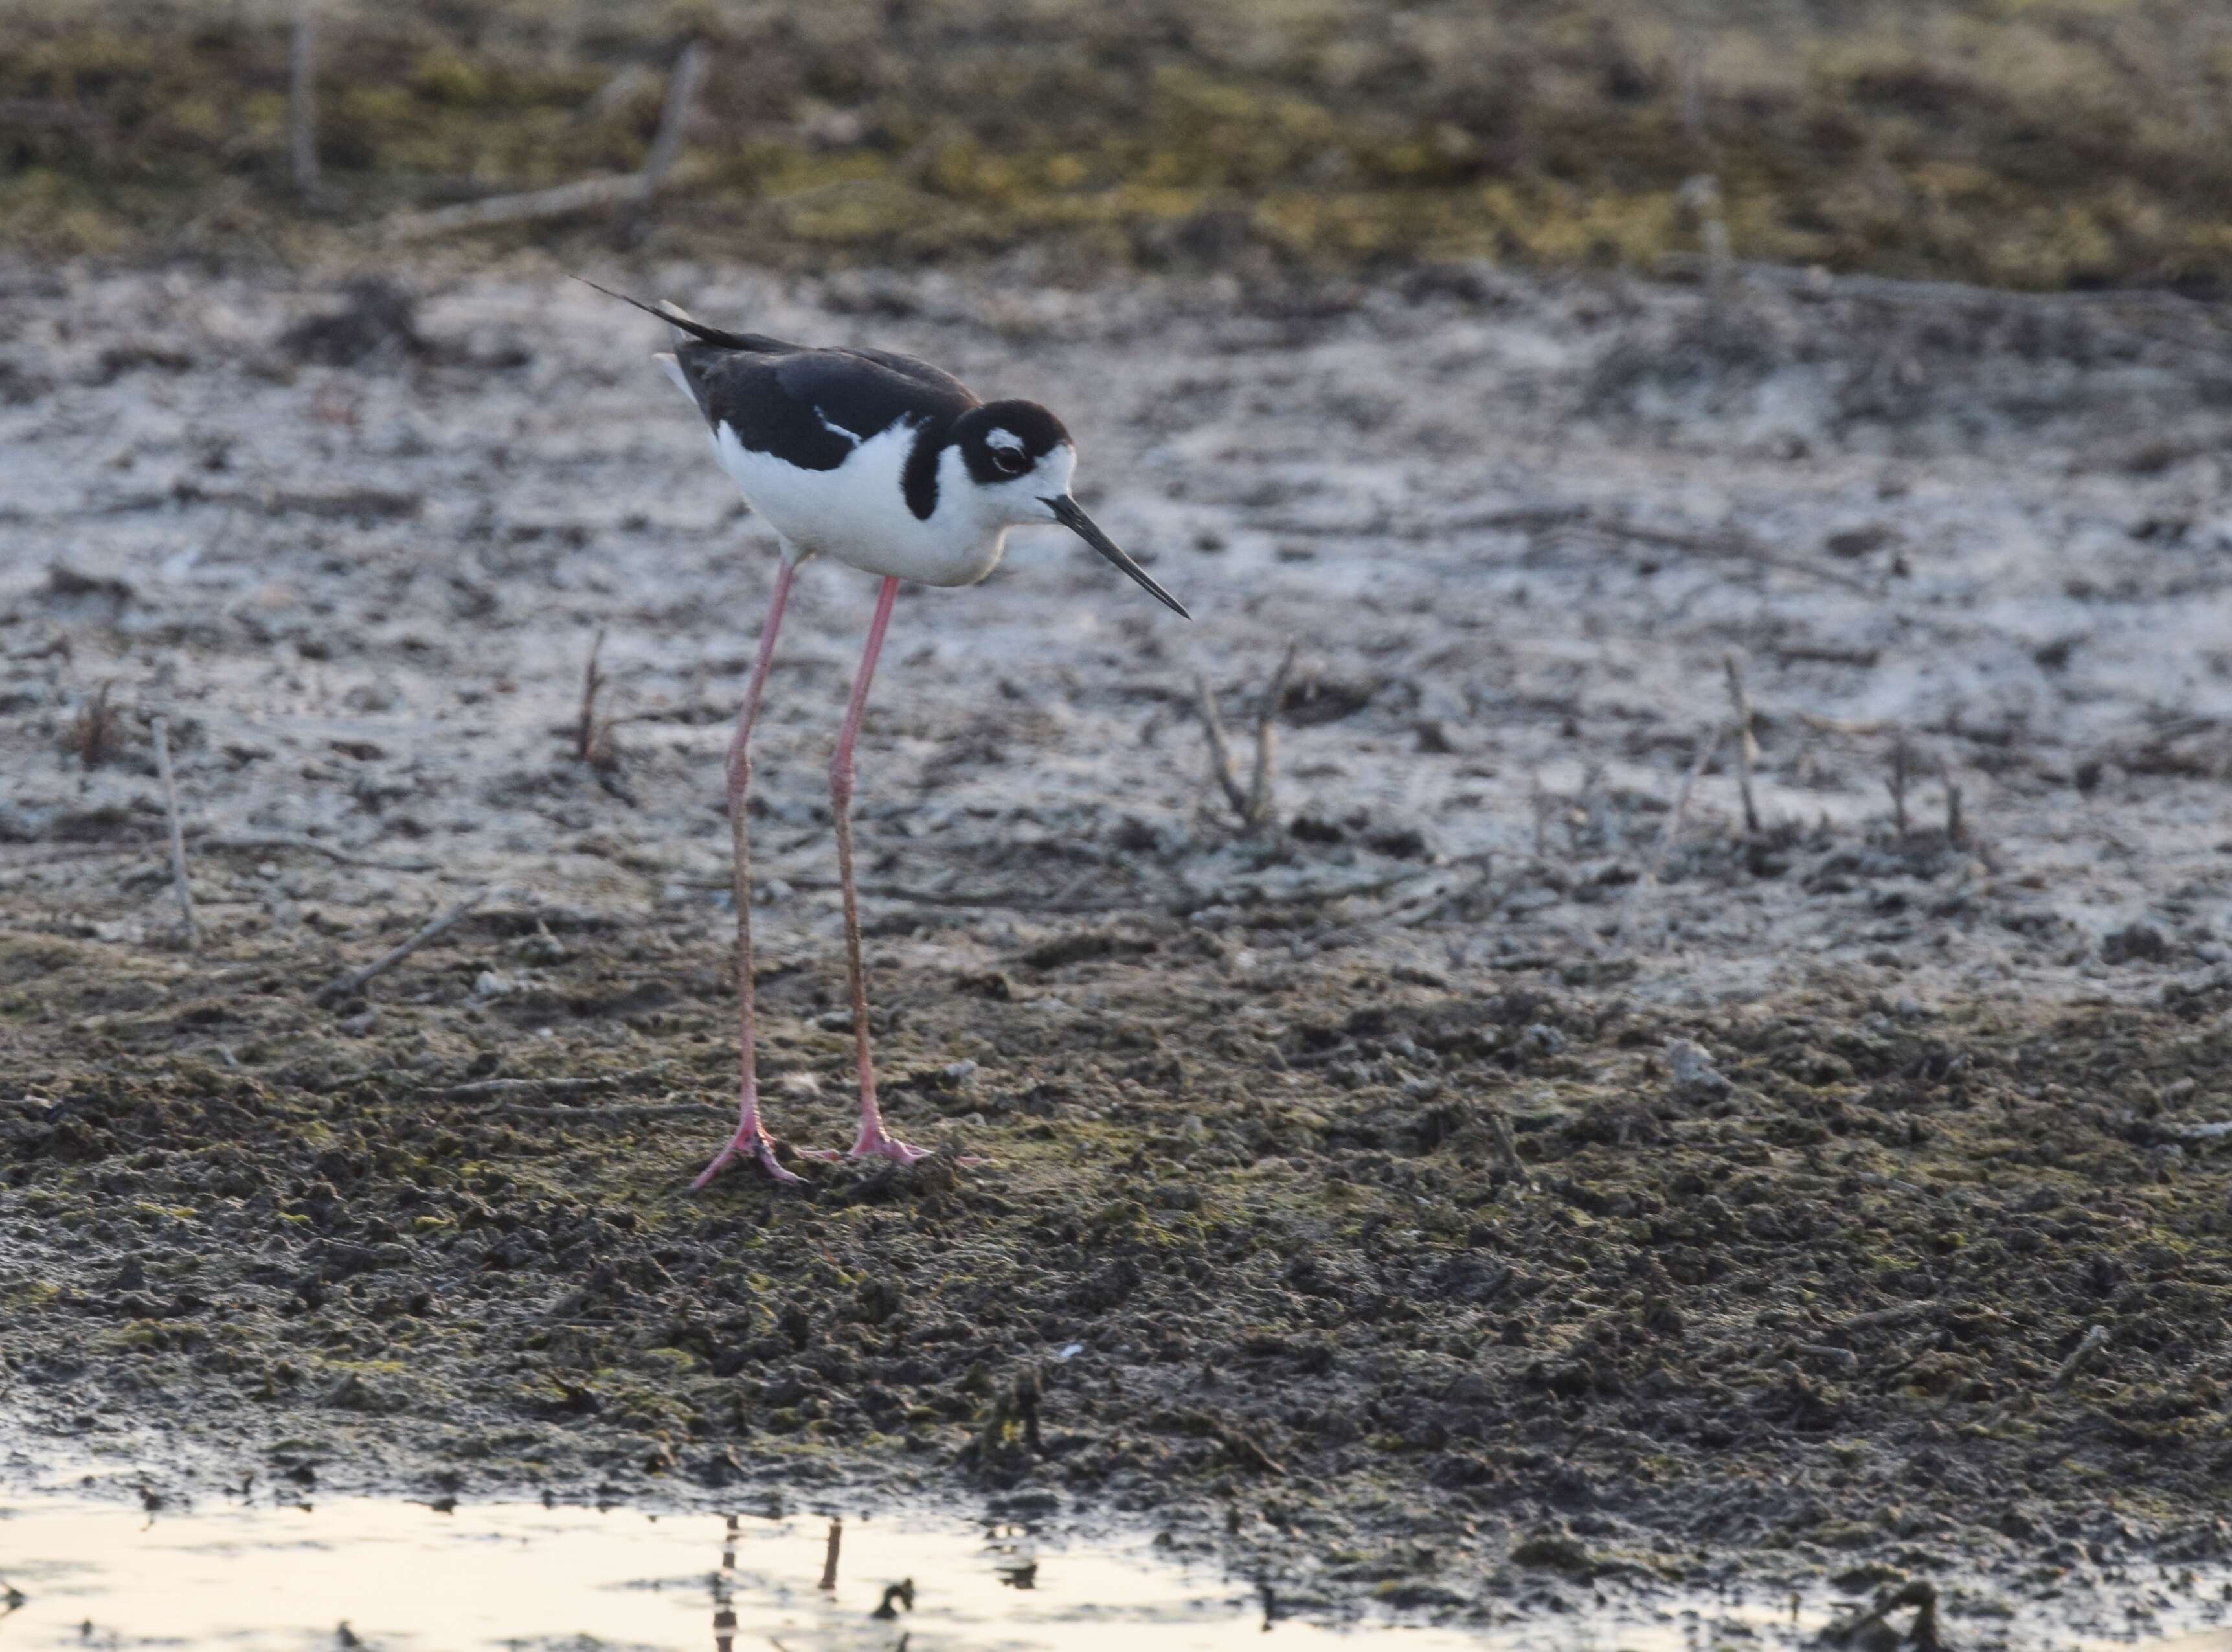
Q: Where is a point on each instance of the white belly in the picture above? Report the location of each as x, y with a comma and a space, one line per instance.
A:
858, 514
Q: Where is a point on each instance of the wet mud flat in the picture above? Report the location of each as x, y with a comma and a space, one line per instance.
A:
1506, 1174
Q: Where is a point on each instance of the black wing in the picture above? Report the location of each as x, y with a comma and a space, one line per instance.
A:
921, 372
811, 408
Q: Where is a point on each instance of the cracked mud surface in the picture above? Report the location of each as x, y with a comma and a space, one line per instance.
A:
1440, 1204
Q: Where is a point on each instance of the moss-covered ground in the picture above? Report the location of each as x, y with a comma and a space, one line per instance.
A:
2053, 143
1259, 1261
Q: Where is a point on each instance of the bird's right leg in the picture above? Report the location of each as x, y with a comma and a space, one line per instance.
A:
751, 1139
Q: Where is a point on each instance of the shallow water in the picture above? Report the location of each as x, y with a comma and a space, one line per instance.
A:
285, 1579
347, 1573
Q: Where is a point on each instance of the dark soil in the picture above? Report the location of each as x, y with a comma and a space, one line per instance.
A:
1250, 1255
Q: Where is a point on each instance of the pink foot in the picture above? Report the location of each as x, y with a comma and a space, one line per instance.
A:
754, 1144
875, 1143
882, 1146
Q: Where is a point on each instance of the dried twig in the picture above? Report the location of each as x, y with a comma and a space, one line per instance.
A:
634, 216
673, 120
1701, 196
1746, 748
1897, 784
348, 985
1924, 1635
276, 841
562, 201
2215, 1131
1220, 748
1253, 802
1266, 740
93, 734
633, 189
302, 100
592, 739
615, 92
1860, 729
1728, 547
500, 1089
2084, 1355
162, 730
1707, 743
1956, 828
829, 1555
1507, 1148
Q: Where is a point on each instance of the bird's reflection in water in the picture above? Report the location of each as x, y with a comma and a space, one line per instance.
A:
724, 1591
897, 1598
1014, 1556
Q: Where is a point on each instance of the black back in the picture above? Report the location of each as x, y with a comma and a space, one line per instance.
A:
812, 407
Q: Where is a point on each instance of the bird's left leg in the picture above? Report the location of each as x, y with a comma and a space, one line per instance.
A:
751, 1140
874, 1142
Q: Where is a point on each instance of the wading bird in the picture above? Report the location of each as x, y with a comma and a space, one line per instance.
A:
892, 467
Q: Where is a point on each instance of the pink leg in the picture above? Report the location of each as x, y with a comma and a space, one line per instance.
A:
751, 1139
874, 1140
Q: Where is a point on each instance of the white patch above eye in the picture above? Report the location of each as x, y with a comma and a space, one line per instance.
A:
1005, 440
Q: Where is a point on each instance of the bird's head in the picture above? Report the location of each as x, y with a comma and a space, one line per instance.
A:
1019, 459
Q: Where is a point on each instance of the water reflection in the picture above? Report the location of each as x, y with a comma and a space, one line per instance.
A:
375, 1576
724, 1584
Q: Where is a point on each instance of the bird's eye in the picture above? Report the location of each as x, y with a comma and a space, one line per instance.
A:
1010, 461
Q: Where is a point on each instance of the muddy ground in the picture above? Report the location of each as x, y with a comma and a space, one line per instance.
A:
1486, 1183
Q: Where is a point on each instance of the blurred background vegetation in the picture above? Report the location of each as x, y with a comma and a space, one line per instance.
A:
2032, 143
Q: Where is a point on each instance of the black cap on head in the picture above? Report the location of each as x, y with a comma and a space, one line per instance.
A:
1003, 441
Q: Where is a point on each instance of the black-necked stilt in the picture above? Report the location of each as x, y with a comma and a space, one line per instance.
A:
892, 466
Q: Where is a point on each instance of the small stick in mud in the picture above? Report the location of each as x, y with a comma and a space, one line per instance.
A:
1896, 785
1220, 748
1267, 738
1252, 802
593, 737
1707, 743
264, 842
2084, 1355
1956, 828
93, 734
1700, 198
348, 985
1746, 748
162, 726
1015, 1405
829, 1555
1924, 1635
1507, 1148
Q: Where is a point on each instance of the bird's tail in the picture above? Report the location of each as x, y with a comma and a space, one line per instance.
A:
674, 316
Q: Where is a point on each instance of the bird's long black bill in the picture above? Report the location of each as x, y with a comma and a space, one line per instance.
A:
1072, 516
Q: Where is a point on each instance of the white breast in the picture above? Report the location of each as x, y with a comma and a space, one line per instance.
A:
857, 513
